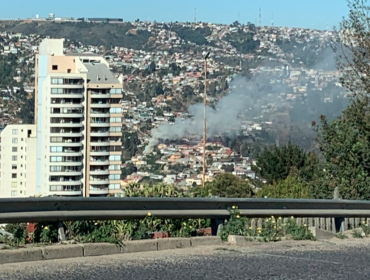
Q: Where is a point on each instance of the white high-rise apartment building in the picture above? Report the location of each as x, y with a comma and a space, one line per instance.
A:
18, 161
78, 117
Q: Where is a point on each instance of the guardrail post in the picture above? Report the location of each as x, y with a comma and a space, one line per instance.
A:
215, 224
338, 221
61, 234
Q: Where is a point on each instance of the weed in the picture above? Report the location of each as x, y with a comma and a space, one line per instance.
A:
341, 235
357, 233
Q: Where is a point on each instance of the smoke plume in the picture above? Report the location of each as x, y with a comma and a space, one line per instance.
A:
221, 119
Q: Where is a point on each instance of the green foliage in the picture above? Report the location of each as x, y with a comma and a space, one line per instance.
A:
243, 41
340, 235
276, 163
346, 149
291, 187
45, 233
26, 112
236, 225
109, 34
365, 228
357, 233
298, 232
228, 185
195, 35
19, 232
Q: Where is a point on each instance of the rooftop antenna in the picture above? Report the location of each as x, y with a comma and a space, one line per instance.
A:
239, 17
272, 19
259, 18
195, 15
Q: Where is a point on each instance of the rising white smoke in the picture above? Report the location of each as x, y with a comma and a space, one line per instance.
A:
223, 118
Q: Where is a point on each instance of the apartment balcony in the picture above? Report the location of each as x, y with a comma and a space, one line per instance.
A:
66, 124
66, 173
67, 163
98, 190
99, 172
100, 124
99, 153
78, 95
66, 105
100, 114
66, 190
66, 132
68, 85
99, 133
100, 105
98, 162
99, 182
100, 143
99, 95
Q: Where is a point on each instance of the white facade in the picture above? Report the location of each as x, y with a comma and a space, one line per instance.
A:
79, 122
18, 161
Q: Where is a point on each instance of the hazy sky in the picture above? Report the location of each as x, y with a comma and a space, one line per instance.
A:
294, 13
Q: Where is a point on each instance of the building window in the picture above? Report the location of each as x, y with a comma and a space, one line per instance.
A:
114, 177
115, 158
57, 139
114, 167
14, 175
115, 120
14, 193
56, 149
115, 110
14, 140
57, 90
114, 186
56, 81
68, 70
56, 159
15, 131
115, 129
55, 168
115, 90
14, 166
14, 149
14, 184
55, 67
14, 158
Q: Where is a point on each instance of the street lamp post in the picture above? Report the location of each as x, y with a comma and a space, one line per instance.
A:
205, 120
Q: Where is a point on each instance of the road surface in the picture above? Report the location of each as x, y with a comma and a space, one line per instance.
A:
333, 259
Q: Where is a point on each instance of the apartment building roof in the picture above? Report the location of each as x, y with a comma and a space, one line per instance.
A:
99, 73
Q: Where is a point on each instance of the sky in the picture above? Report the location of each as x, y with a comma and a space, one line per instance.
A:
317, 14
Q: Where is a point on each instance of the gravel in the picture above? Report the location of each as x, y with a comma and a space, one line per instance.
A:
335, 259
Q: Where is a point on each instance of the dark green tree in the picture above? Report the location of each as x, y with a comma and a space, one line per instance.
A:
228, 185
276, 163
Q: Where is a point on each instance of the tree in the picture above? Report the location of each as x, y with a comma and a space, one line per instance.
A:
276, 163
228, 185
344, 142
291, 187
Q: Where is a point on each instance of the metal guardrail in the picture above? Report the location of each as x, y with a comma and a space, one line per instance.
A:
57, 209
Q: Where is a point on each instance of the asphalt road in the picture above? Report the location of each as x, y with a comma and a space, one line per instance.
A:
268, 262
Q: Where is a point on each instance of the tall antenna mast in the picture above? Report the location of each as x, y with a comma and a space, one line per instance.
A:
239, 17
205, 120
272, 19
195, 15
259, 19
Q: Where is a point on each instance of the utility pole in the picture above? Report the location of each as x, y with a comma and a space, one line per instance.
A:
205, 120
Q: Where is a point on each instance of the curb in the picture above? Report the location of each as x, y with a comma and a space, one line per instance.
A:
55, 252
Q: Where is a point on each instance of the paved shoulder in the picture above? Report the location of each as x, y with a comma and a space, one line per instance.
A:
280, 260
